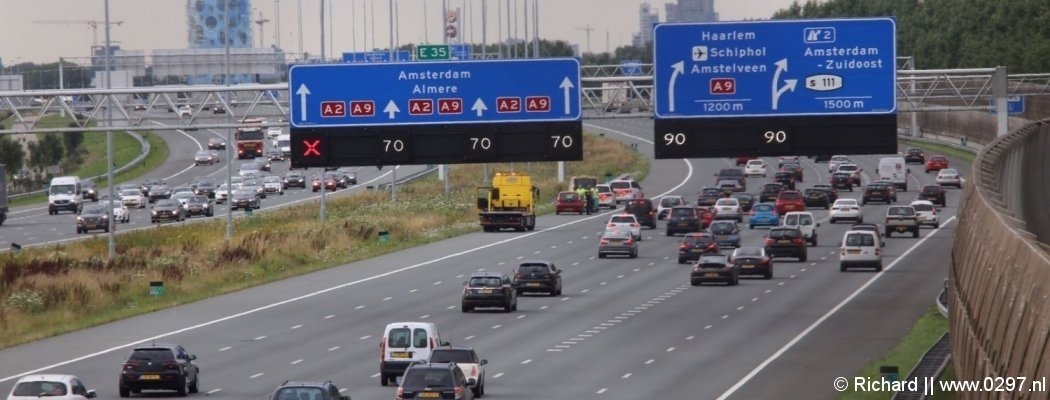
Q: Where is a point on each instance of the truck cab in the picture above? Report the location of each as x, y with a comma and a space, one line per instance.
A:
508, 203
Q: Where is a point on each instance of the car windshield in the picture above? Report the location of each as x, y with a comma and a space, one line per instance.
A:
456, 356
698, 239
152, 355
788, 196
568, 196
850, 168
670, 201
763, 207
93, 210
604, 189
427, 378
939, 158
748, 252
711, 192
40, 389
533, 269
846, 202
616, 234
682, 212
722, 228
623, 219
754, 163
620, 185
784, 233
840, 175
272, 179
922, 207
901, 211
931, 189
727, 203
724, 183
63, 189
860, 239
198, 199
814, 192
167, 203
131, 192
299, 393
203, 154
485, 281
949, 171
182, 195
742, 196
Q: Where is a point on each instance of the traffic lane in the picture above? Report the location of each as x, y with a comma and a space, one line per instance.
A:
863, 330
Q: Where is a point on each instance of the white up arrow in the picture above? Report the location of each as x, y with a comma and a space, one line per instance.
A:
391, 109
566, 84
479, 106
679, 68
782, 66
302, 92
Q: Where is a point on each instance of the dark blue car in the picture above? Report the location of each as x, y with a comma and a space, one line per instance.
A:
726, 233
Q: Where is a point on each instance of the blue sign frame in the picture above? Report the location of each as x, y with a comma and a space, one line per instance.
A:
376, 56
450, 92
775, 68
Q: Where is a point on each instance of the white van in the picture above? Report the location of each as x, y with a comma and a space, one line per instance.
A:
405, 343
64, 193
860, 249
894, 170
804, 221
284, 143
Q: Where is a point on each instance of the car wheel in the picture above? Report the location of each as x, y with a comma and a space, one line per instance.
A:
889, 233
520, 292
514, 307
878, 267
937, 225
681, 260
600, 255
195, 387
803, 257
814, 241
552, 293
465, 309
383, 379
842, 267
752, 226
507, 307
124, 392
769, 274
559, 291
915, 233
634, 254
833, 220
694, 283
182, 390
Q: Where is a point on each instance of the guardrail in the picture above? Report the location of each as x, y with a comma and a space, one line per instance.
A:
408, 178
999, 284
143, 152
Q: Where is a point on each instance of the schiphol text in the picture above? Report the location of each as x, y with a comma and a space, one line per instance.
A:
737, 52
847, 63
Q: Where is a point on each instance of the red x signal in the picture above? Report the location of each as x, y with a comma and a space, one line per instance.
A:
311, 147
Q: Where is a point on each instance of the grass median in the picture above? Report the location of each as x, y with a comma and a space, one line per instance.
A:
58, 289
927, 331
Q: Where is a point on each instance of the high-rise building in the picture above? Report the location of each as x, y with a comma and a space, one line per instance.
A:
691, 11
647, 17
205, 28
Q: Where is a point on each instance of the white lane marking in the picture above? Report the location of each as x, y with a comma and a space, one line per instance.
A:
670, 349
604, 325
625, 376
560, 346
468, 337
823, 258
637, 269
342, 390
769, 290
526, 361
827, 315
261, 337
802, 270
600, 327
225, 348
451, 307
725, 316
812, 264
650, 361
592, 257
569, 242
459, 276
591, 332
620, 317
213, 391
792, 276
257, 375
688, 176
580, 338
602, 390
297, 326
576, 263
480, 269
521, 316
564, 298
424, 316
375, 375
497, 375
554, 350
365, 337
520, 257
387, 298
413, 290
501, 263
619, 277
554, 246
296, 361
604, 283
333, 348
544, 307
585, 290
437, 283
708, 327
740, 308
359, 307
536, 252
754, 299
329, 316
690, 337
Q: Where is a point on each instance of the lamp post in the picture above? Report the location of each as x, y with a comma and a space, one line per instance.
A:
109, 144
229, 132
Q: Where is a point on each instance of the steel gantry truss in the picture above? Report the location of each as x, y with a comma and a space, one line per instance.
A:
608, 91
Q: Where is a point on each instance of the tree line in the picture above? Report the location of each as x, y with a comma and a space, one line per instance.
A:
953, 33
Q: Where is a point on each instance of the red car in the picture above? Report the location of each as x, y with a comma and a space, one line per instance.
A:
788, 201
707, 215
569, 202
329, 184
936, 163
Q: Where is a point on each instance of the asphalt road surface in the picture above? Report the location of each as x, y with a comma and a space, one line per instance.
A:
623, 328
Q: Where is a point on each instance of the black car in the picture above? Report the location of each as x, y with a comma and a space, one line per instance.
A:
753, 261
877, 193
821, 158
489, 289
643, 210
199, 205
218, 110
89, 190
747, 200
786, 178
216, 144
786, 242
263, 164
167, 210
313, 390
463, 355
714, 268
735, 174
832, 193
205, 188
842, 180
794, 168
709, 196
537, 276
294, 179
769, 192
351, 175
149, 184
696, 244
816, 198
341, 180
914, 156
435, 381
245, 199
275, 155
159, 192
683, 219
159, 366
93, 217
933, 193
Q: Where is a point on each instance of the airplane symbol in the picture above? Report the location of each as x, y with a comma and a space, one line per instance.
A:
700, 53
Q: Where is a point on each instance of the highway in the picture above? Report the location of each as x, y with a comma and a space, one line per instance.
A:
31, 224
623, 329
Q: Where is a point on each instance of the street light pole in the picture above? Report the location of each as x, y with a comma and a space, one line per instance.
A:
109, 143
229, 132
300, 12
322, 31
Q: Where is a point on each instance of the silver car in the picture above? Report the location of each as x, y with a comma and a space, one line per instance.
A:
617, 242
949, 177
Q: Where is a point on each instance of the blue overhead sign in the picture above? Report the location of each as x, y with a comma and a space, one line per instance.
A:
775, 68
376, 56
459, 51
631, 67
1014, 105
453, 92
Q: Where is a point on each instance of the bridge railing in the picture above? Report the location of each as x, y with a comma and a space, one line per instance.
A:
999, 285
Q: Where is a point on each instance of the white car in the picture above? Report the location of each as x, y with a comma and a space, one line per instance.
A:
472, 366
133, 198
185, 111
273, 132
248, 168
626, 222
606, 198
273, 184
851, 169
804, 221
860, 249
728, 208
222, 193
927, 213
835, 161
51, 387
182, 197
666, 202
949, 177
755, 167
626, 190
121, 213
846, 209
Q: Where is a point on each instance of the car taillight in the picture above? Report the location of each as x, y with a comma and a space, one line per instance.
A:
842, 251
603, 241
765, 260
878, 251
611, 225
634, 225
382, 350
796, 240
934, 211
628, 241
171, 366
459, 392
130, 365
681, 246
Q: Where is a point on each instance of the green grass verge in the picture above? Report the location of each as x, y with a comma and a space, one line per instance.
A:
927, 331
941, 149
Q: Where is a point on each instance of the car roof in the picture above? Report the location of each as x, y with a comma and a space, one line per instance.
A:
47, 377
921, 202
168, 346
410, 324
866, 232
308, 383
544, 262
454, 347
487, 275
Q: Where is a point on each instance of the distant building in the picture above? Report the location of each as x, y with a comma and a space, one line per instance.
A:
691, 11
647, 17
204, 20
202, 62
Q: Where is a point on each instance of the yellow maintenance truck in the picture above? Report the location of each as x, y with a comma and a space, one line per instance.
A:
508, 203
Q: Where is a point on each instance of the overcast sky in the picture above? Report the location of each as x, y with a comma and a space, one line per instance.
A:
161, 24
